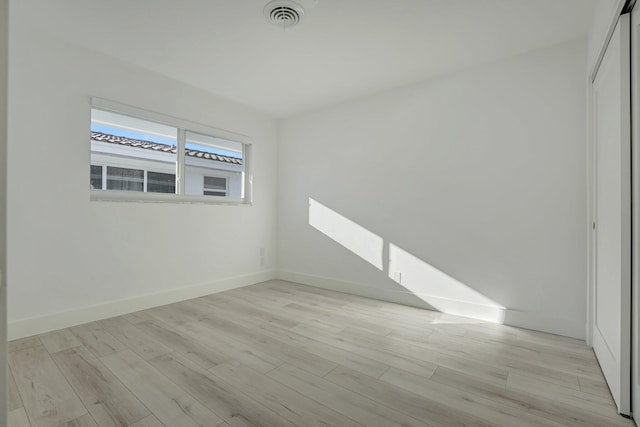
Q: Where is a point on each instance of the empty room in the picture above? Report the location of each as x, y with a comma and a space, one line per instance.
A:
319, 213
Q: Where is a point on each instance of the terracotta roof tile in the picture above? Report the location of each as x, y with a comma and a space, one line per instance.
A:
149, 145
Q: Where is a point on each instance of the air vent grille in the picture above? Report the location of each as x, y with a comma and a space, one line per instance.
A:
283, 14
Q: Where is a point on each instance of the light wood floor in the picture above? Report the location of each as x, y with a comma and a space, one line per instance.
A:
282, 354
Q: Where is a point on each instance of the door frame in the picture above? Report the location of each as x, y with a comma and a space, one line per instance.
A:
635, 210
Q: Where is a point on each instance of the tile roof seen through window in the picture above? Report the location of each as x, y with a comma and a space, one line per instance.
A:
150, 145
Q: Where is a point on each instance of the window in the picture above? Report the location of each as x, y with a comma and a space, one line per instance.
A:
158, 182
125, 179
96, 177
215, 186
163, 158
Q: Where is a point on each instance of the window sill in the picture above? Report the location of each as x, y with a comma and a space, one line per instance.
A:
134, 196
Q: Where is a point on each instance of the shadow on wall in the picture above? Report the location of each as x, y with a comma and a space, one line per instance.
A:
419, 278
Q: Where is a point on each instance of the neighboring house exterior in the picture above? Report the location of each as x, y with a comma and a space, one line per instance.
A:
121, 163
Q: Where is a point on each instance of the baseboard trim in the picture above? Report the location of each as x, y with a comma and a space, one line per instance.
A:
50, 322
528, 320
42, 324
490, 313
553, 325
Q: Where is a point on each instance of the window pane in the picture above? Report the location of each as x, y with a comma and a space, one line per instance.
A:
213, 166
96, 177
213, 144
161, 182
118, 139
125, 179
132, 127
215, 183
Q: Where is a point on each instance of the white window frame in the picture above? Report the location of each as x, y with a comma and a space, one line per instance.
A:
183, 126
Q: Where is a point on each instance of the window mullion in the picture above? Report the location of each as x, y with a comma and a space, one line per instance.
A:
180, 166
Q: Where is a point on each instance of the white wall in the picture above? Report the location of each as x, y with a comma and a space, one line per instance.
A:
70, 255
480, 174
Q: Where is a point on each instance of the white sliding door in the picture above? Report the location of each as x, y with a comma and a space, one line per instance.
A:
611, 320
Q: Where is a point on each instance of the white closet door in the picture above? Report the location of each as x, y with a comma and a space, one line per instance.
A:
612, 287
635, 195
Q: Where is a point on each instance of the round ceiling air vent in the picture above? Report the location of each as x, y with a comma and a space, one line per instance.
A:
283, 13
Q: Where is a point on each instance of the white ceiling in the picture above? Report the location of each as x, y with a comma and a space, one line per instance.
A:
343, 48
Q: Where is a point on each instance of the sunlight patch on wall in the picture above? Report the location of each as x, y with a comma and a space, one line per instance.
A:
352, 236
440, 290
419, 278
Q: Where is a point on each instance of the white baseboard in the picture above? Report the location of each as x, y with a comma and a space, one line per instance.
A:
41, 324
50, 322
528, 320
491, 313
546, 323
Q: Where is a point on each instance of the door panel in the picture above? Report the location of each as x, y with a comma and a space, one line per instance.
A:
612, 287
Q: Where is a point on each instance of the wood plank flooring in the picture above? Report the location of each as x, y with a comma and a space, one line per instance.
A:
284, 354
